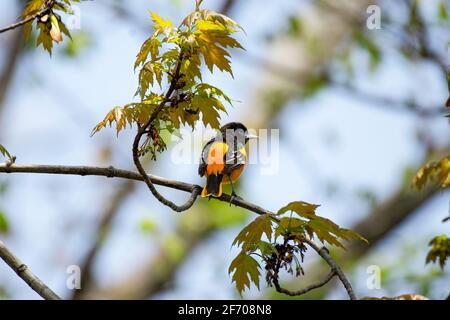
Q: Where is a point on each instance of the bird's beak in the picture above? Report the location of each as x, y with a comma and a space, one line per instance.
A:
252, 136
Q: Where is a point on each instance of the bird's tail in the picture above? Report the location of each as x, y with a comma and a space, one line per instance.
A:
213, 186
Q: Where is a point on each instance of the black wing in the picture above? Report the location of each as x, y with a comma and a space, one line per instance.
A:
204, 157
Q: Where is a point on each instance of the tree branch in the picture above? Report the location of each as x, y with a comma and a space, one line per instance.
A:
112, 172
323, 252
25, 273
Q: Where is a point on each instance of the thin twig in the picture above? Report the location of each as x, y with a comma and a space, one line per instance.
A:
195, 191
47, 6
323, 252
25, 273
305, 290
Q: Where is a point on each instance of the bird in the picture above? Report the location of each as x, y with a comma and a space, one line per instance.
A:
223, 159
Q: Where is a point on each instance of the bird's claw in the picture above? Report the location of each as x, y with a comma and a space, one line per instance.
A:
234, 196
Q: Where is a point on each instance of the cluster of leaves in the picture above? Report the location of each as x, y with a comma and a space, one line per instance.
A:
278, 240
440, 250
49, 23
172, 57
434, 170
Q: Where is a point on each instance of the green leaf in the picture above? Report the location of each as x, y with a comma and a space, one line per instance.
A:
151, 46
32, 7
5, 152
129, 114
148, 225
147, 75
350, 234
442, 9
4, 224
64, 29
252, 233
440, 250
161, 25
300, 207
44, 38
213, 37
433, 170
290, 225
324, 229
245, 270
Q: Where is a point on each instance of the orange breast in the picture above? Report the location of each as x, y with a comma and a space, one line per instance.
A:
235, 174
216, 156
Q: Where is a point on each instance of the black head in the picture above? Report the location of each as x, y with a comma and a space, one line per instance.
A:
233, 126
237, 130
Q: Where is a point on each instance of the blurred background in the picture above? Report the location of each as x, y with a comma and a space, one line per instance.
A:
359, 111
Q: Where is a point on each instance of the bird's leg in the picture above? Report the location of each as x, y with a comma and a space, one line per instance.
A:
233, 194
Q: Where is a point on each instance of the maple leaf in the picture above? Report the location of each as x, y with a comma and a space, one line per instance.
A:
439, 170
150, 46
44, 38
244, 269
191, 68
216, 56
440, 250
325, 229
300, 207
161, 25
64, 29
252, 233
213, 38
206, 101
32, 7
129, 114
150, 71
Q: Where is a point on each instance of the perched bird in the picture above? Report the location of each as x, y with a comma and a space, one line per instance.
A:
223, 158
